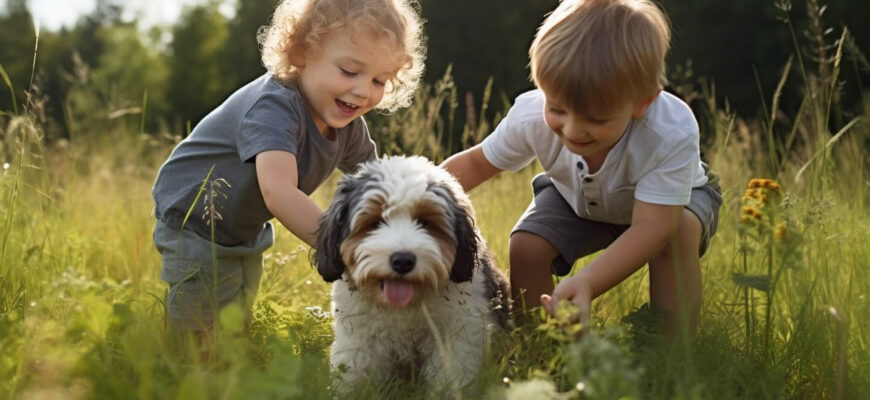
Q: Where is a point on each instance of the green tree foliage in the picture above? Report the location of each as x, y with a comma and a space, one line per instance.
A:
242, 53
482, 39
17, 39
127, 84
197, 82
132, 68
63, 58
210, 55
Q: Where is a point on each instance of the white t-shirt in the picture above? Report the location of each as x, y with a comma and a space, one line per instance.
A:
657, 160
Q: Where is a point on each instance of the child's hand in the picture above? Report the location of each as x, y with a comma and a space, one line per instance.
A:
574, 289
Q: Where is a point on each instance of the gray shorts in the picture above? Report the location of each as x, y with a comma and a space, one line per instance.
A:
552, 218
205, 276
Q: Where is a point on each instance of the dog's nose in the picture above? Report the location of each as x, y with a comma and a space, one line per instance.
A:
403, 261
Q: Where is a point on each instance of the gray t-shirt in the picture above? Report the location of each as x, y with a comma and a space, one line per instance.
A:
263, 115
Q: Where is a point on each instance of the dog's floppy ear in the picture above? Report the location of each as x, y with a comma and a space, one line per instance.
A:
332, 230
466, 241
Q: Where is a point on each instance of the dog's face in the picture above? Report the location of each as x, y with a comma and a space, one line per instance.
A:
398, 227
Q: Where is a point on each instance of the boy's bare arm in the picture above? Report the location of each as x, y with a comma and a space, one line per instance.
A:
278, 177
470, 167
652, 226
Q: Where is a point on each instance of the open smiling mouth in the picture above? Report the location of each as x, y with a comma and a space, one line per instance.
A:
345, 106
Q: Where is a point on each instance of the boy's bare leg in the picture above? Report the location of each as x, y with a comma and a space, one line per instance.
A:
530, 275
675, 277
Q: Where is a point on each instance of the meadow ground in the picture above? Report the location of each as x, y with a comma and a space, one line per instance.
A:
787, 279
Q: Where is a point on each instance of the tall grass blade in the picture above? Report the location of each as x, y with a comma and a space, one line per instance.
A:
826, 147
835, 75
441, 347
8, 82
33, 64
15, 186
789, 141
768, 116
785, 7
771, 141
198, 195
859, 61
144, 110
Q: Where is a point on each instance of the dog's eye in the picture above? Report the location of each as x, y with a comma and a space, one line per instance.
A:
378, 223
423, 222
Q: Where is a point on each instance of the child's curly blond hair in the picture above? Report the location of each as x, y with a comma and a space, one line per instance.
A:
299, 26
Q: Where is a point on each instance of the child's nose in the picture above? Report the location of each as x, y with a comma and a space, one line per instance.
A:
572, 130
362, 89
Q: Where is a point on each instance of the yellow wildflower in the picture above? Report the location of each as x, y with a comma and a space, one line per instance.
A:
758, 183
772, 185
780, 232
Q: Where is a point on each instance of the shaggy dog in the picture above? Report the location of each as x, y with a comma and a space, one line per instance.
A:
416, 293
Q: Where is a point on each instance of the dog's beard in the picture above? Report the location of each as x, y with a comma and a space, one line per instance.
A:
372, 273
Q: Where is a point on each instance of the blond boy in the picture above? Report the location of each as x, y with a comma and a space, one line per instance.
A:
621, 160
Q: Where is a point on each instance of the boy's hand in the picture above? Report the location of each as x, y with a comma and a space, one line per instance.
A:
575, 289
652, 226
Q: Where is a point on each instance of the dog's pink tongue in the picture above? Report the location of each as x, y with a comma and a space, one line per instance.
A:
398, 292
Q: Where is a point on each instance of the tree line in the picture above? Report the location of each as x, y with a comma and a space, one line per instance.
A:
105, 66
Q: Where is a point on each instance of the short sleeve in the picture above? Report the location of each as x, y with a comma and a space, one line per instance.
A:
270, 124
359, 148
670, 182
509, 146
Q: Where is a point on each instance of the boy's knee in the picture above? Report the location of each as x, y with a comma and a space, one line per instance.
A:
689, 226
685, 240
530, 251
688, 232
527, 245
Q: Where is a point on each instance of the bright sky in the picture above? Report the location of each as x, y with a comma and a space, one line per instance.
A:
52, 14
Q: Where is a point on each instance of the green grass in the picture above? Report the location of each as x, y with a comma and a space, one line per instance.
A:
81, 303
81, 313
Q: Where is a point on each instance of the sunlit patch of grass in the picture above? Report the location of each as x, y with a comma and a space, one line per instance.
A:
83, 256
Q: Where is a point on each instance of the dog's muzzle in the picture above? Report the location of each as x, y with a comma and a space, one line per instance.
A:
403, 262
399, 292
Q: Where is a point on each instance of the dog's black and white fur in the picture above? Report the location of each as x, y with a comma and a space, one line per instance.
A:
416, 293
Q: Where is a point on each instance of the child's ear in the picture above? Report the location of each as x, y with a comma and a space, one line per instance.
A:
644, 104
297, 55
297, 59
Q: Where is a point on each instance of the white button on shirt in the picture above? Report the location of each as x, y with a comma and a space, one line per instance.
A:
657, 160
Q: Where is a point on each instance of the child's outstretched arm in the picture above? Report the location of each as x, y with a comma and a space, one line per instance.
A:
470, 167
278, 177
652, 226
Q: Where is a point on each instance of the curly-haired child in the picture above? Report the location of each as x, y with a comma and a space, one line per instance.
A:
263, 151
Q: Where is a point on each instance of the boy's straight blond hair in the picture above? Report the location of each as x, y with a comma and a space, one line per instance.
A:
298, 28
593, 56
